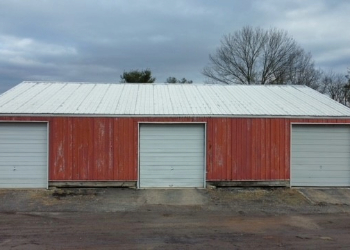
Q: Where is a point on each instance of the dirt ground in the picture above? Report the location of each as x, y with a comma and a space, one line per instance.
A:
170, 219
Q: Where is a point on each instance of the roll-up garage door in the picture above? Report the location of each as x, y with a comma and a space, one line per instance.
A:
320, 155
171, 155
23, 155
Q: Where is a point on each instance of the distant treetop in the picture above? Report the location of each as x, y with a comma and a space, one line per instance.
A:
137, 76
175, 80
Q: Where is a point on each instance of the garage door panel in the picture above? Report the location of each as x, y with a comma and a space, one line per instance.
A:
22, 185
179, 183
15, 129
21, 163
194, 137
323, 182
28, 138
21, 181
34, 134
165, 159
9, 141
319, 160
191, 133
321, 148
178, 164
25, 178
320, 155
150, 151
171, 155
325, 167
165, 130
20, 149
31, 167
322, 173
333, 183
175, 172
325, 136
164, 143
179, 167
23, 155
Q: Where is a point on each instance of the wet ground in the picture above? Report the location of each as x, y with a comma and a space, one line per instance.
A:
173, 219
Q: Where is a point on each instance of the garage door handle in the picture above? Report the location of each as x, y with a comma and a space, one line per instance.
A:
14, 168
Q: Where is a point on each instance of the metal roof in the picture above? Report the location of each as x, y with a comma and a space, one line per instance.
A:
200, 100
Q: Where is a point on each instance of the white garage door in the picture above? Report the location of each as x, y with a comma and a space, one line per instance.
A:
172, 155
320, 155
23, 155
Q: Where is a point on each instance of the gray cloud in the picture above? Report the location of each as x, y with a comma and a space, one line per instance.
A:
97, 40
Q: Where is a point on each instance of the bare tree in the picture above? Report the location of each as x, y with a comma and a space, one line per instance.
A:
257, 56
336, 86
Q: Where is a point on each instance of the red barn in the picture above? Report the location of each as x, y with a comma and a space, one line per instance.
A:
175, 135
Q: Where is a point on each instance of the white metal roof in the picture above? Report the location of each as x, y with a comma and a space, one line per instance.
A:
201, 100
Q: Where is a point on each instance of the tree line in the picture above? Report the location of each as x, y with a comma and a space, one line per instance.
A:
145, 76
254, 56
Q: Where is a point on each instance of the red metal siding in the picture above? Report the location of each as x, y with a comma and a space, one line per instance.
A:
248, 149
101, 149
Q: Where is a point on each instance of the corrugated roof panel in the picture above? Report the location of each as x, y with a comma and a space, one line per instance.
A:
91, 100
297, 104
113, 98
167, 100
264, 103
208, 105
39, 99
240, 101
321, 102
283, 103
124, 101
73, 103
212, 103
105, 99
193, 101
8, 98
176, 99
301, 104
23, 97
56, 97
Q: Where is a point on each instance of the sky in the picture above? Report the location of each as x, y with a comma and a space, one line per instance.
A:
96, 41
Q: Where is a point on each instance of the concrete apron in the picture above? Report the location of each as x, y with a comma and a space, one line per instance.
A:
189, 197
335, 196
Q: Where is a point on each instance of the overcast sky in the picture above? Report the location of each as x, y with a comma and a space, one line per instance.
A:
95, 41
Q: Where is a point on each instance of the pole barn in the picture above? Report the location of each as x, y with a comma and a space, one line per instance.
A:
171, 136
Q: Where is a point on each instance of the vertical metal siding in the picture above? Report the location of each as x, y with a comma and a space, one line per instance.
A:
98, 148
248, 149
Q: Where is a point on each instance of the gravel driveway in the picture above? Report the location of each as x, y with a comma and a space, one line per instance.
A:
171, 219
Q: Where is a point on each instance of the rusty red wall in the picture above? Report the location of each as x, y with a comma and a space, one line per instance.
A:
93, 149
248, 149
105, 149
